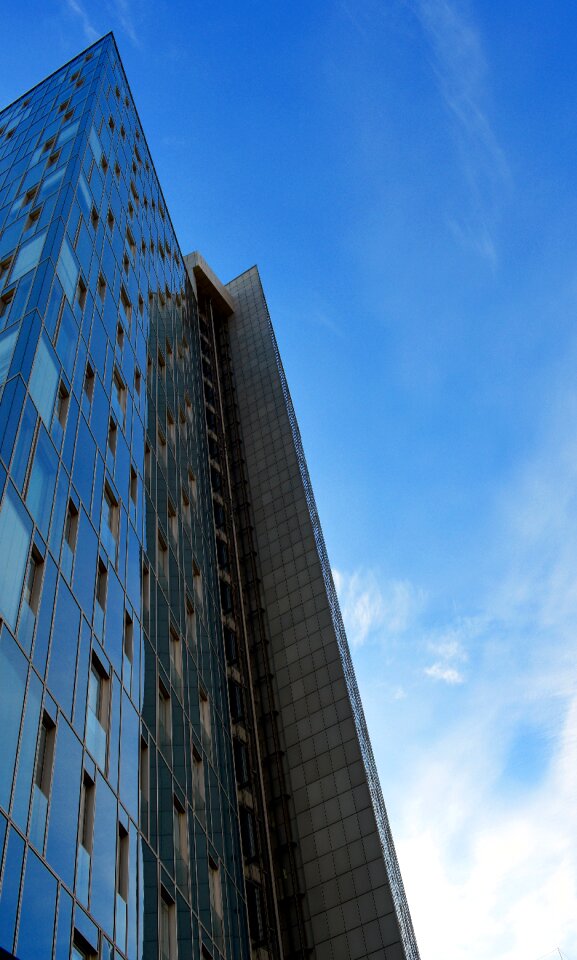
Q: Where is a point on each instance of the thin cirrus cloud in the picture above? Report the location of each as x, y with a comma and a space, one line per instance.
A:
373, 608
460, 67
120, 12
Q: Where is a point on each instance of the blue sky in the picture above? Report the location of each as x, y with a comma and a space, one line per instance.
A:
404, 175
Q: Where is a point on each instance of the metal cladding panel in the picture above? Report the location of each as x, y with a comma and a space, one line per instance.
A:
353, 886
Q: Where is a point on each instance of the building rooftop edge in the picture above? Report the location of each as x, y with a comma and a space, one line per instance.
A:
207, 283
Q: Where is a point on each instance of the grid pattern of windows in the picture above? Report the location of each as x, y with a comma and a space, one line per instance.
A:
117, 772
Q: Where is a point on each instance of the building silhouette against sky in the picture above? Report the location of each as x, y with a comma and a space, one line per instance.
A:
185, 768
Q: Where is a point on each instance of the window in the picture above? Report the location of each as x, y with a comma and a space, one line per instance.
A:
44, 380
205, 720
110, 220
230, 645
236, 701
241, 763
101, 589
61, 408
130, 242
255, 911
147, 465
172, 524
133, 492
122, 868
81, 293
126, 306
88, 391
144, 780
97, 714
33, 581
198, 785
7, 344
190, 624
128, 646
109, 523
86, 836
186, 508
120, 336
168, 949
197, 583
42, 780
248, 834
176, 661
137, 381
192, 486
69, 543
162, 448
162, 556
222, 554
67, 270
180, 844
111, 444
119, 396
164, 719
215, 900
5, 305
32, 219
101, 287
171, 428
145, 590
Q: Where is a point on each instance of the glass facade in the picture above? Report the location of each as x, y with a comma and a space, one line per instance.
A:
119, 830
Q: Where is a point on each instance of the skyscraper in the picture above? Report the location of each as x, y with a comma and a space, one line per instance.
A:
186, 770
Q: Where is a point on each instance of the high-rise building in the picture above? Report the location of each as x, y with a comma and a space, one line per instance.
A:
185, 769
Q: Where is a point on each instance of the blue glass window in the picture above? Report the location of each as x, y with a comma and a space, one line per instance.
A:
104, 857
61, 849
15, 532
40, 494
11, 891
64, 647
97, 714
44, 380
37, 911
7, 343
13, 669
67, 270
28, 257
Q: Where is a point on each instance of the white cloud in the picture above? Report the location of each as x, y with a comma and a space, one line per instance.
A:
372, 607
487, 878
90, 31
485, 818
440, 672
461, 72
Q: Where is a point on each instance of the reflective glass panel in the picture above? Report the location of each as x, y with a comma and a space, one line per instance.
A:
28, 257
44, 380
15, 540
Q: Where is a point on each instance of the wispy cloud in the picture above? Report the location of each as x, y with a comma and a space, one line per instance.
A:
373, 607
89, 30
460, 67
118, 14
123, 12
440, 671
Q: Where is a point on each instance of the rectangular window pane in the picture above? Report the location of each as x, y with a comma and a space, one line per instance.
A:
42, 481
15, 540
44, 381
7, 343
67, 270
28, 257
